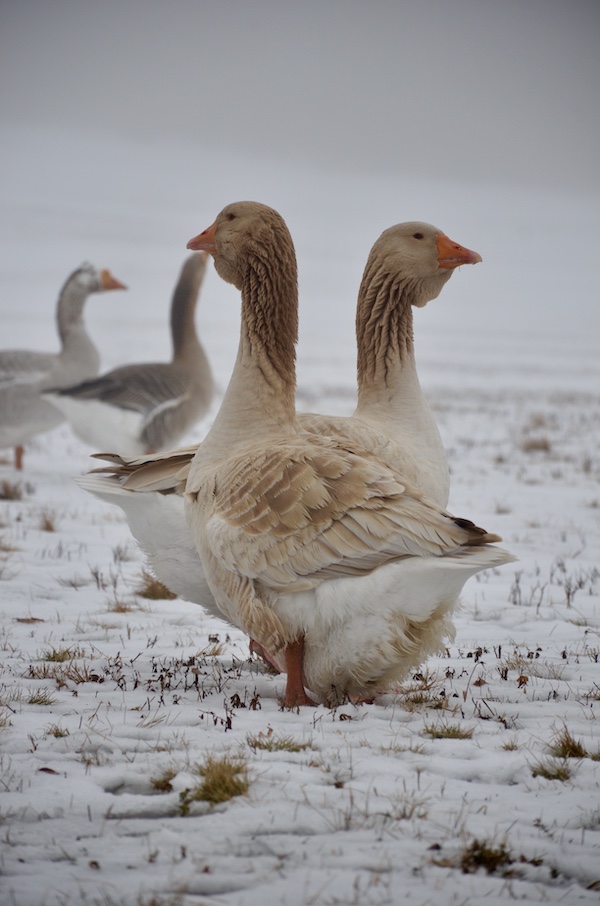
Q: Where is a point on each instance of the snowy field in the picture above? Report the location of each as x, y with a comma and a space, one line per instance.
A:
479, 779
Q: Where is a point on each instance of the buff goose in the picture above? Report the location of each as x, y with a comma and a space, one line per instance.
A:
308, 541
146, 407
25, 374
407, 266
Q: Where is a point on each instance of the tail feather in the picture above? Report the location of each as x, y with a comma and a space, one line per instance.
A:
102, 486
476, 534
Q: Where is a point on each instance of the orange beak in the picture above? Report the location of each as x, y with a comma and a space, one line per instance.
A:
451, 254
107, 281
204, 242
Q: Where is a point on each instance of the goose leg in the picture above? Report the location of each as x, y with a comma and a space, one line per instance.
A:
19, 457
295, 693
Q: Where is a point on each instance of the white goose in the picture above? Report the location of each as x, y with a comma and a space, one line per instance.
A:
310, 542
407, 266
25, 374
146, 407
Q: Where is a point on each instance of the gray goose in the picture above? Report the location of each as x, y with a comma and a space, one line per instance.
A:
146, 407
25, 374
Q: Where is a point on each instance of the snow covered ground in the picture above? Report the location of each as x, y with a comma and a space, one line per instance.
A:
479, 780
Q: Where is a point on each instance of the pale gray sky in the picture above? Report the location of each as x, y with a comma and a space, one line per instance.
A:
500, 91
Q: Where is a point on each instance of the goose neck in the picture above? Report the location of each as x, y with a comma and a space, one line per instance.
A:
69, 313
183, 318
384, 333
260, 398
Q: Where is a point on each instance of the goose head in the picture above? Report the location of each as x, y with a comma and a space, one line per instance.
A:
95, 280
244, 234
423, 255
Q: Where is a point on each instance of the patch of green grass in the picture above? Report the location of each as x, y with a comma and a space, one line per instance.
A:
223, 778
447, 731
268, 742
60, 655
40, 697
422, 699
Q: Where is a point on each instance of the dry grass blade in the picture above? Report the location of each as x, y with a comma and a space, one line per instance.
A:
481, 854
566, 746
153, 589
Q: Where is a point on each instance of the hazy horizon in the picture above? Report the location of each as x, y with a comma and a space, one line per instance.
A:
495, 92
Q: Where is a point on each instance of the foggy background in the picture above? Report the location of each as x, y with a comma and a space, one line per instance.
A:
127, 125
466, 88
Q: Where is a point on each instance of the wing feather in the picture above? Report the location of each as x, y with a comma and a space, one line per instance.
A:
311, 508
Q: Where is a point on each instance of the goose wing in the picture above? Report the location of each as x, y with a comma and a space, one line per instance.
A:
308, 509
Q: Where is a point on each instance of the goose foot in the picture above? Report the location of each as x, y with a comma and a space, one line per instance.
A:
295, 693
19, 458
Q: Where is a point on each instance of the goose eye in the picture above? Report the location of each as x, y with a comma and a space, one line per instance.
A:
231, 216
418, 236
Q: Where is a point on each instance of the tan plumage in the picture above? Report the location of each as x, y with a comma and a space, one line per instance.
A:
408, 266
155, 472
277, 514
307, 509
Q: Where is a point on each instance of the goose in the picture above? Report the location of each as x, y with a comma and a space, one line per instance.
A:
142, 408
407, 266
25, 374
308, 538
